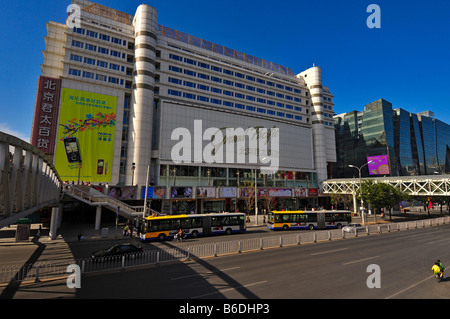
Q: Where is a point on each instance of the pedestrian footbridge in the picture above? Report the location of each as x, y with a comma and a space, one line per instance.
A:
30, 182
433, 185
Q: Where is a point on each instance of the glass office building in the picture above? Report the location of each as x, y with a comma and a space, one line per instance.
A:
415, 144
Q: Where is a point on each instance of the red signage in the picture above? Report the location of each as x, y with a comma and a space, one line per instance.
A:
313, 192
45, 122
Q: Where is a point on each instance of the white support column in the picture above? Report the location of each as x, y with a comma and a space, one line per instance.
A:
54, 223
98, 217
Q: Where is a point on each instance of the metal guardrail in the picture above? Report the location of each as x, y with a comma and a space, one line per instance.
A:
38, 271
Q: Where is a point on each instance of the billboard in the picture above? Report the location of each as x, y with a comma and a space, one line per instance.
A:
46, 114
191, 126
208, 192
379, 165
87, 121
158, 192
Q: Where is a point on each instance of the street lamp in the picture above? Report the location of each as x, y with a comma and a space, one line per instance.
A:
360, 187
133, 167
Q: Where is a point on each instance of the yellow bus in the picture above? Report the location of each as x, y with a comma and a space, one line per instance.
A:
284, 220
194, 225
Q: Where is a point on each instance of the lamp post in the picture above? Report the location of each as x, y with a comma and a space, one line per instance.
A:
360, 187
133, 168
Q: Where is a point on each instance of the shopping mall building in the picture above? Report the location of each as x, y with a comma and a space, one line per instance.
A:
122, 98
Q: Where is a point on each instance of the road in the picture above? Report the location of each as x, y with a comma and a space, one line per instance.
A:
331, 269
336, 269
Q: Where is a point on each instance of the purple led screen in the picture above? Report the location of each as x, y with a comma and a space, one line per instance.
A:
379, 165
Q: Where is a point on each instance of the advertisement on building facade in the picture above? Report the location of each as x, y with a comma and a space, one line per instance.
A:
154, 192
378, 165
191, 135
206, 192
87, 121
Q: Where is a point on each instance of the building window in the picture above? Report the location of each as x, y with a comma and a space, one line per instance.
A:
227, 82
175, 81
189, 61
102, 64
216, 68
228, 72
261, 110
88, 75
203, 65
116, 40
89, 61
227, 103
216, 101
203, 87
202, 98
103, 50
101, 77
76, 58
77, 44
91, 47
173, 92
175, 69
218, 80
74, 72
104, 37
175, 57
115, 53
189, 72
189, 96
92, 34
203, 76
189, 84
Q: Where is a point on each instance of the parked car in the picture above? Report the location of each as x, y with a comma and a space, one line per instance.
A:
117, 250
350, 228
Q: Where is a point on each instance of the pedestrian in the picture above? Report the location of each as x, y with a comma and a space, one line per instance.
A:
80, 237
125, 231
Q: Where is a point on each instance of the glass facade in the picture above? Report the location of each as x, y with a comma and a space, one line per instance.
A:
416, 144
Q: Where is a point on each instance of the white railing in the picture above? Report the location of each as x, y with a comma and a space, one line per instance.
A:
28, 180
37, 271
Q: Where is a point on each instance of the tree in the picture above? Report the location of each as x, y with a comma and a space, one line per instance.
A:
337, 199
381, 195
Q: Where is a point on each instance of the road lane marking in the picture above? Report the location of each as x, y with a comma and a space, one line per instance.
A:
357, 261
328, 251
412, 286
205, 273
229, 289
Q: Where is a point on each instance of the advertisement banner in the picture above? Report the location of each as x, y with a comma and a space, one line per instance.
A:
154, 192
181, 192
123, 192
209, 192
280, 192
87, 121
379, 165
300, 192
227, 192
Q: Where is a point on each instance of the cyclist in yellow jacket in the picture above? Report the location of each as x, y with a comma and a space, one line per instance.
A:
436, 269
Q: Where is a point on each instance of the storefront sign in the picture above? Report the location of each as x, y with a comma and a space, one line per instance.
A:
45, 122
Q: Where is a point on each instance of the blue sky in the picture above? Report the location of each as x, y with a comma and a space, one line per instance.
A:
406, 61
